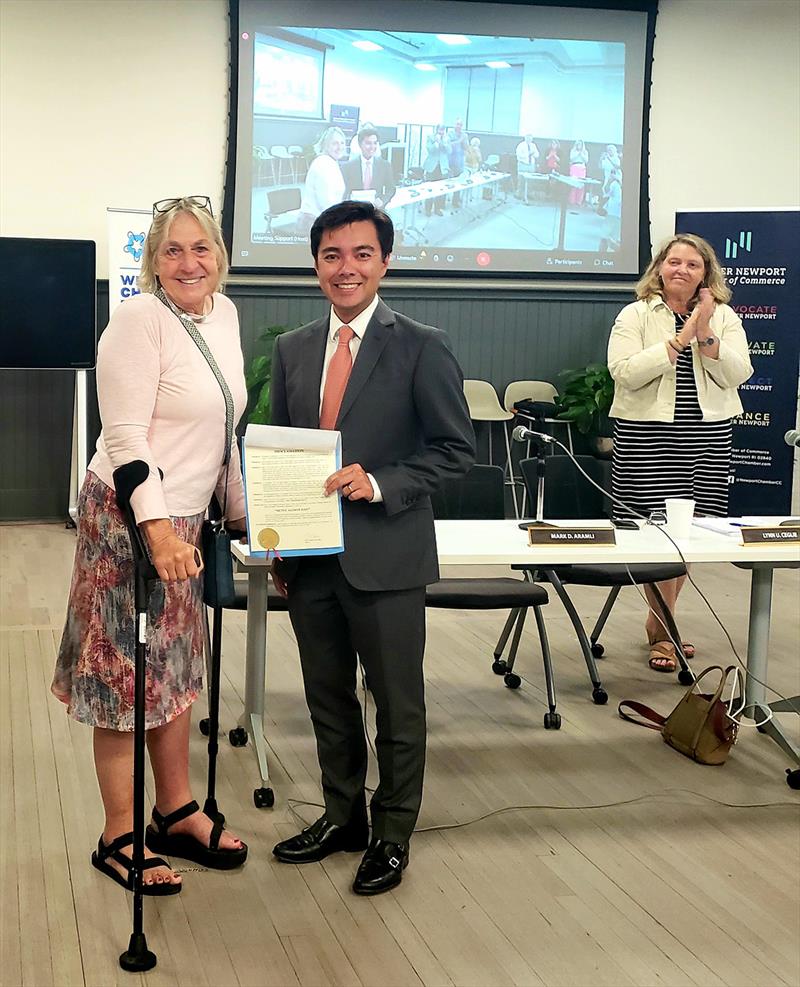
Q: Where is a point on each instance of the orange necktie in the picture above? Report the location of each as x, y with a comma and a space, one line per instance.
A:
335, 383
368, 174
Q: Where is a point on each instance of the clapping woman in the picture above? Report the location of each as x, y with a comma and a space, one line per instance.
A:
677, 355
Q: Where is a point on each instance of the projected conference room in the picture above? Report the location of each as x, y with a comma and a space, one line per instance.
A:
493, 152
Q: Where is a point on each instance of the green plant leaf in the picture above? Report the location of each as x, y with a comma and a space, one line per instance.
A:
259, 371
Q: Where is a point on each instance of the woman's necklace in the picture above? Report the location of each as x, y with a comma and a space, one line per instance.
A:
194, 316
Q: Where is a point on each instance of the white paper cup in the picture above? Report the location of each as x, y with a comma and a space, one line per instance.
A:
680, 511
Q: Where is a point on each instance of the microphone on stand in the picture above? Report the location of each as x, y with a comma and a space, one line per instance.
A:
522, 434
541, 439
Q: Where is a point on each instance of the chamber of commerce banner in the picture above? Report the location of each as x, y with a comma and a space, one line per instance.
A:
759, 250
127, 229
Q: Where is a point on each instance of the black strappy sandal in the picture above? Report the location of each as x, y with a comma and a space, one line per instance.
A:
112, 851
158, 839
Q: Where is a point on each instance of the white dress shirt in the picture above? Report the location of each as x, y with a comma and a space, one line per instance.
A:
359, 326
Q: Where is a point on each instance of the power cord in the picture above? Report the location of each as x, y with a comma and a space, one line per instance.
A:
293, 805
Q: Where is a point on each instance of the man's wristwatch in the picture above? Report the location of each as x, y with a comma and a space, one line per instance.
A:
708, 341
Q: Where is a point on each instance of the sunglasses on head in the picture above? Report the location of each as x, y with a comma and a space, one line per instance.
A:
199, 201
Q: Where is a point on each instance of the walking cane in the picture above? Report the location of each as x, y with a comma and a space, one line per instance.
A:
137, 958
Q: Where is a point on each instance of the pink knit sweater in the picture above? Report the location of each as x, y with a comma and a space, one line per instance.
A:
160, 402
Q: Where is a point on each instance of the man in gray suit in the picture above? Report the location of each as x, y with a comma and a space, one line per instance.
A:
369, 171
400, 407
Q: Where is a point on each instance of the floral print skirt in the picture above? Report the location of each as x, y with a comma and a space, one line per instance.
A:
94, 669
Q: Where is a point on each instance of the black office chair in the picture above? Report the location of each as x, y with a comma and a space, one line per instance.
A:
568, 494
283, 208
480, 496
275, 604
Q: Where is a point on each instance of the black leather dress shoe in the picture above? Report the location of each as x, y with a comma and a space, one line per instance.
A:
382, 867
320, 840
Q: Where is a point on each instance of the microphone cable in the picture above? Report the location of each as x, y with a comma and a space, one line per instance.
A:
616, 501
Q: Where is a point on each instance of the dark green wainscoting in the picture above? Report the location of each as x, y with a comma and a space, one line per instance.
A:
499, 334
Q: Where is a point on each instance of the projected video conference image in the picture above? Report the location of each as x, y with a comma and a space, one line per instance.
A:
499, 153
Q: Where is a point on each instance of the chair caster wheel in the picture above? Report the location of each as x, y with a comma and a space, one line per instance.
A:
793, 778
238, 737
512, 680
598, 650
499, 666
685, 677
204, 726
599, 696
552, 721
762, 729
263, 798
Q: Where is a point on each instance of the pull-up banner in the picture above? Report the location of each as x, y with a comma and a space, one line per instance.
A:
759, 250
127, 229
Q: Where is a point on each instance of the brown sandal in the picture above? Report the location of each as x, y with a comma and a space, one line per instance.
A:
662, 656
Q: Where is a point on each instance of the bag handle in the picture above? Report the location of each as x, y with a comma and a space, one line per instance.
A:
657, 721
201, 344
716, 702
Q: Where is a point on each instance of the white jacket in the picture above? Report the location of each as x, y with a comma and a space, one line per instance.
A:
644, 375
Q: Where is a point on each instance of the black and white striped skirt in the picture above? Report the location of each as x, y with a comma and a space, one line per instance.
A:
656, 460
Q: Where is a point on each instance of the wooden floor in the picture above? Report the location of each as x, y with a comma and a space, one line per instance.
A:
670, 889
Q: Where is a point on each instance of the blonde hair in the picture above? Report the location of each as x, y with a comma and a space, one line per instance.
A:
650, 283
321, 147
158, 232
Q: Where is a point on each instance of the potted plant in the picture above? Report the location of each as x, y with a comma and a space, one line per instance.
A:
584, 400
259, 377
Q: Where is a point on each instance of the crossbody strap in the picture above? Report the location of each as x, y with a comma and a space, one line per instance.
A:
194, 332
656, 720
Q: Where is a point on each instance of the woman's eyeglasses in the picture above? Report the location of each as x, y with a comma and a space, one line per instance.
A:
200, 201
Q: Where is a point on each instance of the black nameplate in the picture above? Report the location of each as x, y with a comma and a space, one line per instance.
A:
770, 536
571, 536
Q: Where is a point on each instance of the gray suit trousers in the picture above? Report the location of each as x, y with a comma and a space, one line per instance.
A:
334, 623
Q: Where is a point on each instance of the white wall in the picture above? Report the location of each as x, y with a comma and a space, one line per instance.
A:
111, 102
108, 103
571, 105
397, 92
725, 107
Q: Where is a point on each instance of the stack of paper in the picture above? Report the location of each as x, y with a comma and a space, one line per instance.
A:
720, 525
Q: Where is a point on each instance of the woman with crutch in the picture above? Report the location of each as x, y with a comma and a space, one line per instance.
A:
162, 401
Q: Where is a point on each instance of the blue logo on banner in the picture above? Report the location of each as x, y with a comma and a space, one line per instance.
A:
135, 245
732, 247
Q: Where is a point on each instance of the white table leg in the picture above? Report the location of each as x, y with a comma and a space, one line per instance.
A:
756, 705
255, 671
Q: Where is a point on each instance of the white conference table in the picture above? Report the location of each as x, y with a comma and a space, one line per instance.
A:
408, 197
502, 543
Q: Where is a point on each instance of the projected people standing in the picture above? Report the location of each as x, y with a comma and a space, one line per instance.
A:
436, 165
368, 172
459, 142
527, 154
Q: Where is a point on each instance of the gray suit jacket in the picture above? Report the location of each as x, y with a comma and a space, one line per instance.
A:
404, 419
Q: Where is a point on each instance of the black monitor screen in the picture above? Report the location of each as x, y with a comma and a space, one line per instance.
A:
512, 148
47, 304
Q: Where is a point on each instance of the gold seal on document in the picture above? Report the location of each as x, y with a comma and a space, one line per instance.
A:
269, 539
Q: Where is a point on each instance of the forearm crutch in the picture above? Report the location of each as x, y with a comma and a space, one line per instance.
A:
210, 726
137, 957
214, 668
